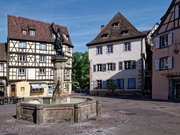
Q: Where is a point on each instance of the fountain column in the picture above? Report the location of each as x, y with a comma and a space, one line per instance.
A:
59, 65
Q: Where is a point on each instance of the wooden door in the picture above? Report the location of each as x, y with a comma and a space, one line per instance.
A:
13, 90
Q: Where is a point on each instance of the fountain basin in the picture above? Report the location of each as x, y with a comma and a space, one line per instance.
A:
44, 110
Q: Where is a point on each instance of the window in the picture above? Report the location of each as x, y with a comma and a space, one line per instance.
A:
37, 88
120, 65
125, 32
127, 46
127, 64
32, 32
22, 89
109, 48
22, 45
52, 72
43, 47
99, 67
50, 89
116, 25
164, 63
24, 32
164, 40
99, 84
1, 67
42, 58
131, 83
42, 71
131, 64
99, 50
22, 71
105, 36
111, 66
120, 83
22, 58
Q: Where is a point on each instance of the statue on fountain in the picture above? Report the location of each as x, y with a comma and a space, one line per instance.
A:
58, 43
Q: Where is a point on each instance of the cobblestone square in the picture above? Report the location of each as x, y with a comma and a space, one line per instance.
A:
118, 117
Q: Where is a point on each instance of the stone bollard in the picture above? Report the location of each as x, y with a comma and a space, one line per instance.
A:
98, 108
18, 111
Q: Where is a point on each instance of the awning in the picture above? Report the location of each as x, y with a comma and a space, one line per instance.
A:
36, 86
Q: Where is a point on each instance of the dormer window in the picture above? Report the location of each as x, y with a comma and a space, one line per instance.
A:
116, 25
105, 36
32, 32
24, 32
125, 32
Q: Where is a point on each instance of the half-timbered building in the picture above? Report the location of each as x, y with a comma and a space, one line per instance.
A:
166, 55
117, 55
3, 69
30, 50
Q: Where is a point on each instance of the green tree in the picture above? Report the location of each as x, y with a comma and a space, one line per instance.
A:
80, 70
111, 86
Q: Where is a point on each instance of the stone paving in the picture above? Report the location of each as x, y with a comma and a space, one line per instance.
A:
118, 117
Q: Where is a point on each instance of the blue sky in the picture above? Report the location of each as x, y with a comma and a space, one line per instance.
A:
83, 17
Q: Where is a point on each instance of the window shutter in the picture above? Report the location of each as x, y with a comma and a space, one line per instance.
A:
157, 43
120, 65
170, 39
170, 62
176, 11
113, 66
94, 68
133, 64
94, 84
157, 64
104, 67
104, 84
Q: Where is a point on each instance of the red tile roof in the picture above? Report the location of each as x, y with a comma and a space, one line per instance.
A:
42, 31
3, 52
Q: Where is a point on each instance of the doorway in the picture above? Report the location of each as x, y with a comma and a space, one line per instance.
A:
2, 89
178, 90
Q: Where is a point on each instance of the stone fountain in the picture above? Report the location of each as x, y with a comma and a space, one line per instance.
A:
61, 107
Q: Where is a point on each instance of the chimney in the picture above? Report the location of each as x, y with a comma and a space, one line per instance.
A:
102, 27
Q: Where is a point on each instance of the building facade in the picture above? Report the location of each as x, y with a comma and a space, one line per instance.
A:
30, 51
166, 55
117, 55
3, 69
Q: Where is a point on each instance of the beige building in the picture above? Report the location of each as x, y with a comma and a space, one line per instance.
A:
118, 54
166, 55
30, 51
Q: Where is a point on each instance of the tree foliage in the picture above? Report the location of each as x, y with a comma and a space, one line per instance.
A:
80, 70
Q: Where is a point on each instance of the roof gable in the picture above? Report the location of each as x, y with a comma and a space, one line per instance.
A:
165, 18
119, 28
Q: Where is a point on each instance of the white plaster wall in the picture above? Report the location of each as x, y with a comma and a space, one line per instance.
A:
118, 55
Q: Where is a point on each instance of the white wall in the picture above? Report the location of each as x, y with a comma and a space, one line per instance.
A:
118, 55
